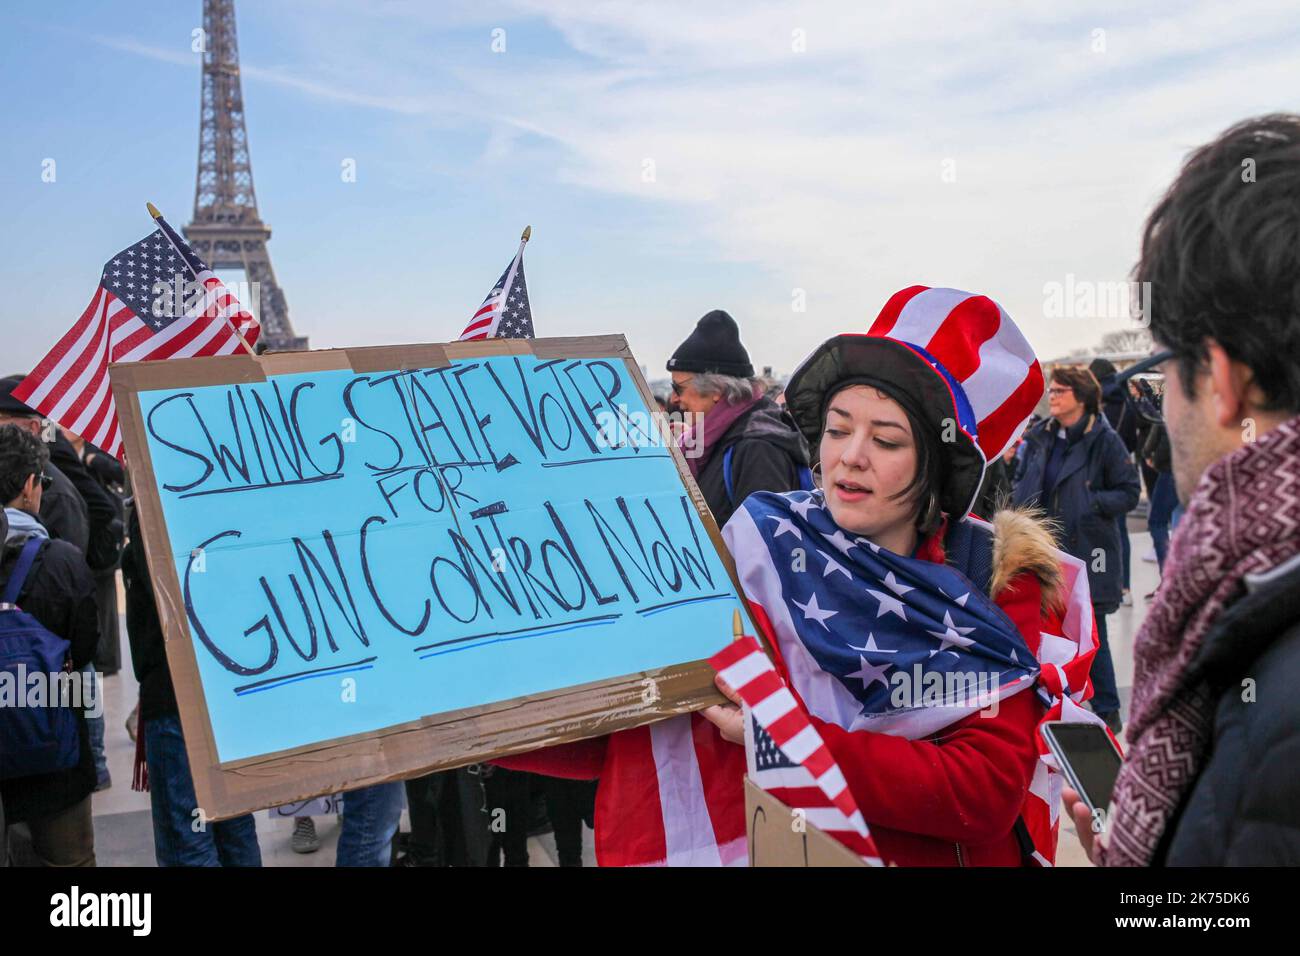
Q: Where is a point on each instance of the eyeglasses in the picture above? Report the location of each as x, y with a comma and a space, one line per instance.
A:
1160, 358
1059, 391
679, 387
46, 481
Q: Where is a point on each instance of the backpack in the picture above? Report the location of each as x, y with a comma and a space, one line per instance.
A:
36, 740
806, 482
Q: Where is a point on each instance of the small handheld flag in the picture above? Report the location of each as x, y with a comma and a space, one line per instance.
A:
784, 724
505, 313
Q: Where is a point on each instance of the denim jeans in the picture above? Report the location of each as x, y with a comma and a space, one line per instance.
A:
180, 836
1105, 695
370, 819
1125, 551
93, 682
1164, 498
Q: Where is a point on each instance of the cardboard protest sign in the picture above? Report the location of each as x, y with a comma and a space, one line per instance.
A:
375, 562
780, 836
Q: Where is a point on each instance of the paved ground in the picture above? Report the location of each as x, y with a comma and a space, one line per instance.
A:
123, 834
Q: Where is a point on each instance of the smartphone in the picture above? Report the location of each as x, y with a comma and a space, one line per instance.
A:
1088, 757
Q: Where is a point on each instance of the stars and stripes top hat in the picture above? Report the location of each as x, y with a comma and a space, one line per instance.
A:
953, 358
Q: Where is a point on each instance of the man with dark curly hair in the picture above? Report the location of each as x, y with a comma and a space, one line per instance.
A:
1214, 729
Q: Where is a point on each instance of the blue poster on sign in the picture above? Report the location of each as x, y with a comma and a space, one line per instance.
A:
357, 551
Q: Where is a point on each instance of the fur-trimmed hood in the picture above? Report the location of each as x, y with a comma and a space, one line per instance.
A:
1023, 541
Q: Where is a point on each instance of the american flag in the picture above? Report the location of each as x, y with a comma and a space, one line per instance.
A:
784, 742
863, 616
135, 316
505, 313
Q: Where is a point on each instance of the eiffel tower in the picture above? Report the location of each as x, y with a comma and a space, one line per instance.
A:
227, 232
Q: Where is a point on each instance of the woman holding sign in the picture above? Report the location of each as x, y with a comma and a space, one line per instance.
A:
910, 632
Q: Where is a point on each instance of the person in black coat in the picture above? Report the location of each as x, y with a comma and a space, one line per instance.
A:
740, 440
1078, 471
1157, 454
1116, 404
98, 477
59, 593
1118, 407
171, 787
63, 510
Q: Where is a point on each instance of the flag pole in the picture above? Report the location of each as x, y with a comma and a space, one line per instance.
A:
167, 231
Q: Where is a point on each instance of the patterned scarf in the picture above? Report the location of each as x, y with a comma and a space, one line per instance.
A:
702, 440
1244, 518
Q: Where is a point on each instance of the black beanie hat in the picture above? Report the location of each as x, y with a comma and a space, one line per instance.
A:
713, 349
10, 405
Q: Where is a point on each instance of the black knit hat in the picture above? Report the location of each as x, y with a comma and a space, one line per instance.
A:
10, 405
713, 348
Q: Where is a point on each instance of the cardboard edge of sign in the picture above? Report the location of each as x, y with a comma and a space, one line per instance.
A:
775, 840
432, 743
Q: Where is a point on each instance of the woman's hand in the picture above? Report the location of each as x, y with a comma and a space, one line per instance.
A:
728, 718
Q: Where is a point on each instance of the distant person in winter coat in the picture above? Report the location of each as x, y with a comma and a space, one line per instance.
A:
1157, 455
1078, 471
1118, 407
739, 440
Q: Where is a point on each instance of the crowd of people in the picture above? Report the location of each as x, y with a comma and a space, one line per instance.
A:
857, 459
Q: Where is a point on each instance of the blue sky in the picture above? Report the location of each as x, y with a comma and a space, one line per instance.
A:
842, 149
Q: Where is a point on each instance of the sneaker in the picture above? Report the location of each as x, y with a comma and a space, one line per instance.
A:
1126, 598
1113, 722
304, 839
1150, 556
103, 782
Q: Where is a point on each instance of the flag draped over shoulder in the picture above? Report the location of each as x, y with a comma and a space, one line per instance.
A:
876, 641
156, 300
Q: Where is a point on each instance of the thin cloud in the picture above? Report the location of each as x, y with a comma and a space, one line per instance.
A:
408, 106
